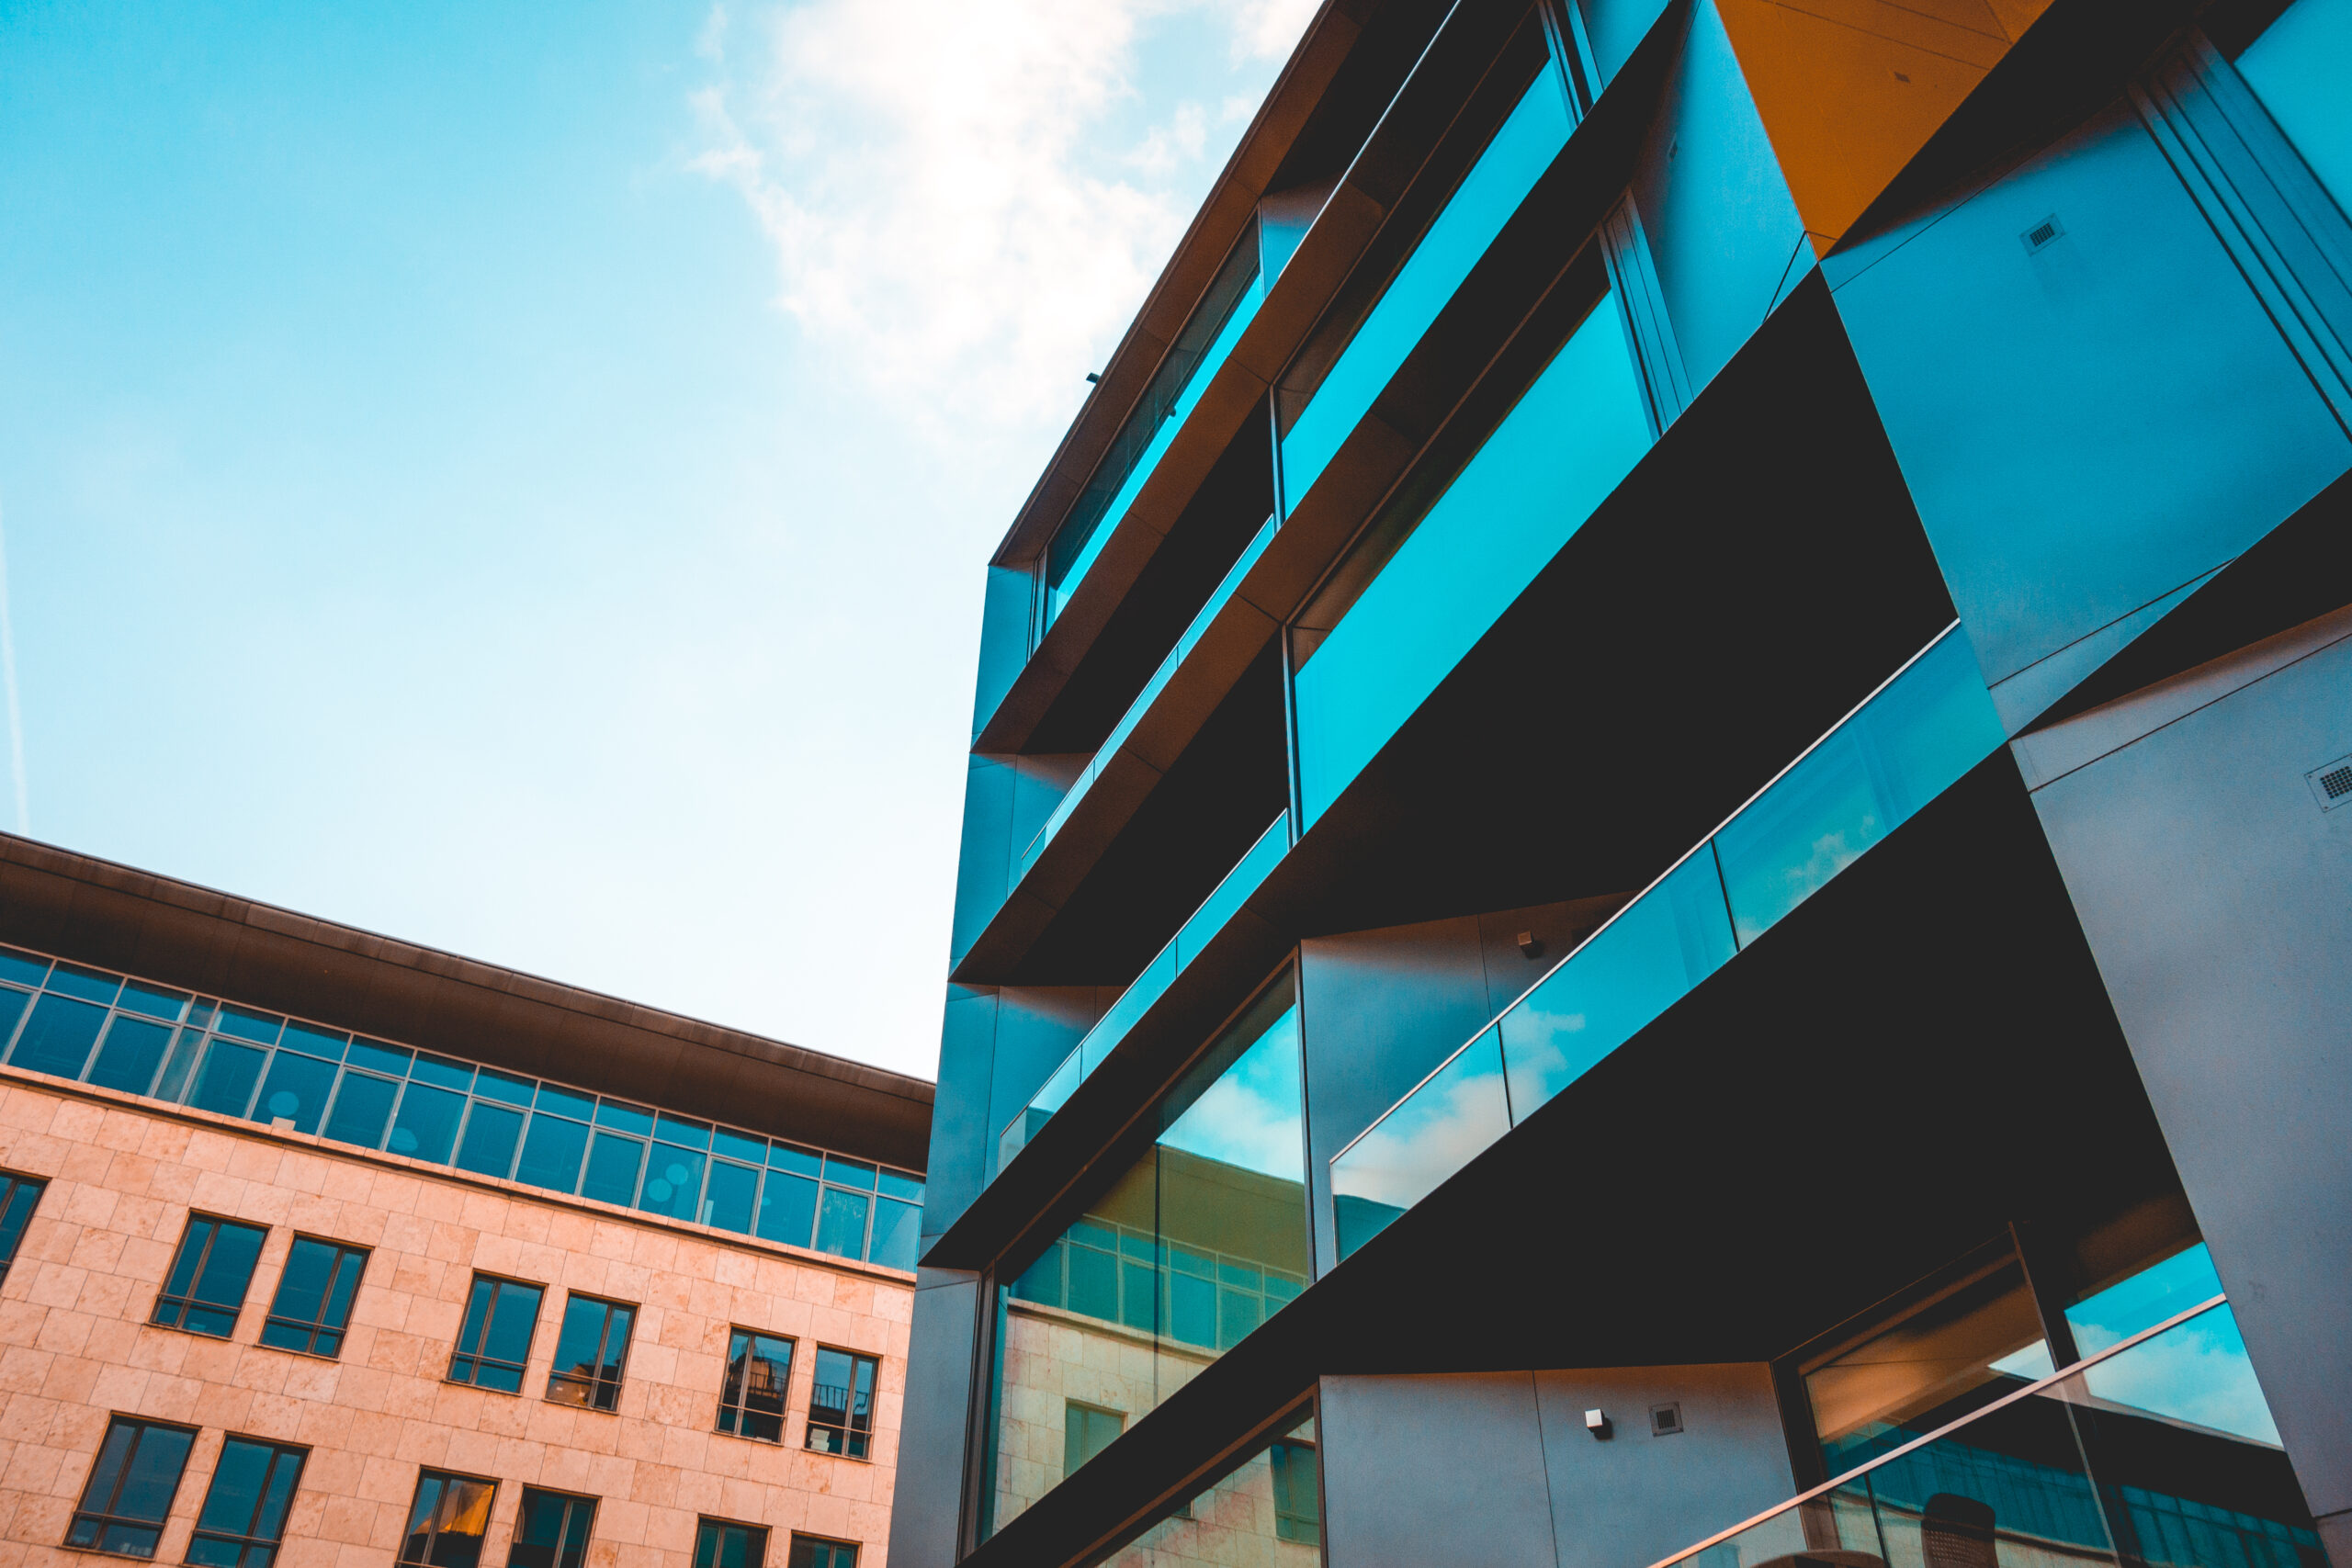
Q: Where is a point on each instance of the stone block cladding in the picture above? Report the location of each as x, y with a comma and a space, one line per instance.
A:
76, 1345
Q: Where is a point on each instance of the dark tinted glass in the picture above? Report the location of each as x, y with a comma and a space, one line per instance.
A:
426, 1124
808, 1551
551, 1152
590, 1350
243, 1516
787, 1207
90, 985
130, 1489
495, 1339
296, 1090
627, 1117
492, 1132
491, 1083
225, 1082
758, 1376
12, 1008
362, 1106
551, 1531
446, 1522
134, 1050
728, 1197
58, 1037
19, 1195
206, 1284
841, 1406
564, 1102
324, 1044
612, 1169
259, 1027
391, 1060
22, 968
152, 1001
443, 1072
312, 1306
721, 1545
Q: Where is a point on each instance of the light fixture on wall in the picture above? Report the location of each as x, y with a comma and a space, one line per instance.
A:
1597, 1423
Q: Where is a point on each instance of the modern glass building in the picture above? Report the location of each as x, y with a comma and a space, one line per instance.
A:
1656, 860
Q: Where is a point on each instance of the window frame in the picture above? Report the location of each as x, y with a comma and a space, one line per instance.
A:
432, 1534
570, 1500
489, 1321
271, 1317
104, 1518
705, 1522
741, 1405
184, 1304
797, 1539
848, 1428
249, 1543
13, 1184
595, 1383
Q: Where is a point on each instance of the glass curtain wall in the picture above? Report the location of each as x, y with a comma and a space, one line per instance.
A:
1190, 1248
1265, 1512
102, 1028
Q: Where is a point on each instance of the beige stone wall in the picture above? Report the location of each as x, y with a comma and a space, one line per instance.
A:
123, 1174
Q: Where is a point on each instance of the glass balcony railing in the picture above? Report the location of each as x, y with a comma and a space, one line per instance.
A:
1184, 377
1905, 744
1145, 698
1147, 988
2157, 1450
1489, 193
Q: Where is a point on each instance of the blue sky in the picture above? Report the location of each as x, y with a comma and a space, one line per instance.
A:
516, 477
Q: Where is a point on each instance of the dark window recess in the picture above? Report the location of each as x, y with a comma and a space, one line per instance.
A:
551, 1531
1087, 1430
719, 1543
840, 1407
759, 1373
495, 1339
19, 1195
1666, 1419
808, 1551
447, 1520
243, 1516
1299, 1493
206, 1284
313, 1307
590, 1352
131, 1488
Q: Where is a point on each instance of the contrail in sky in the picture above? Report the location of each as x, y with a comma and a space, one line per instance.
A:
16, 713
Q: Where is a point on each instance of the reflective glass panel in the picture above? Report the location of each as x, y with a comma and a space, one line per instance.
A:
787, 1209
225, 1082
551, 1531
492, 1132
1265, 1512
674, 1182
296, 1089
426, 1124
612, 1169
23, 968
244, 1509
391, 1060
841, 1223
152, 1001
897, 1228
730, 1196
504, 1087
321, 1043
2296, 68
551, 1152
1439, 1128
131, 1054
363, 1105
90, 985
58, 1037
261, 1028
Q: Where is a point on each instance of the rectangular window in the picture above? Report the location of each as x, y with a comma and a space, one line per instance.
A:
759, 1373
131, 1488
551, 1531
590, 1350
808, 1551
1299, 1493
206, 1284
243, 1516
495, 1339
312, 1306
718, 1543
1087, 1430
840, 1407
19, 1195
446, 1522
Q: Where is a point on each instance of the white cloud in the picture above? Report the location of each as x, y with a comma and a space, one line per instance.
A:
968, 204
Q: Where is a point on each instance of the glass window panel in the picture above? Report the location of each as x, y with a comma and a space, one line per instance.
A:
551, 1531
899, 1184
718, 1544
673, 1183
612, 1169
19, 1197
680, 1130
732, 1196
131, 1487
379, 1058
179, 1065
1656, 949
590, 1350
243, 1516
321, 1043
296, 1089
262, 1028
25, 968
312, 1306
2164, 1289
841, 1403
808, 1552
841, 1223
566, 1102
492, 1132
1087, 1431
362, 1106
787, 1209
628, 1118
793, 1157
207, 1283
2296, 69
759, 1378
12, 1008
551, 1152
849, 1172
739, 1146
494, 1340
1441, 1126
2196, 1374
131, 1054
152, 1001
225, 1082
442, 1072
426, 1124
58, 1037
90, 985
1575, 432
447, 1521
505, 1087
896, 1233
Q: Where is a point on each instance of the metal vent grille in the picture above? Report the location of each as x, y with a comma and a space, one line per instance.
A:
2042, 234
2332, 783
